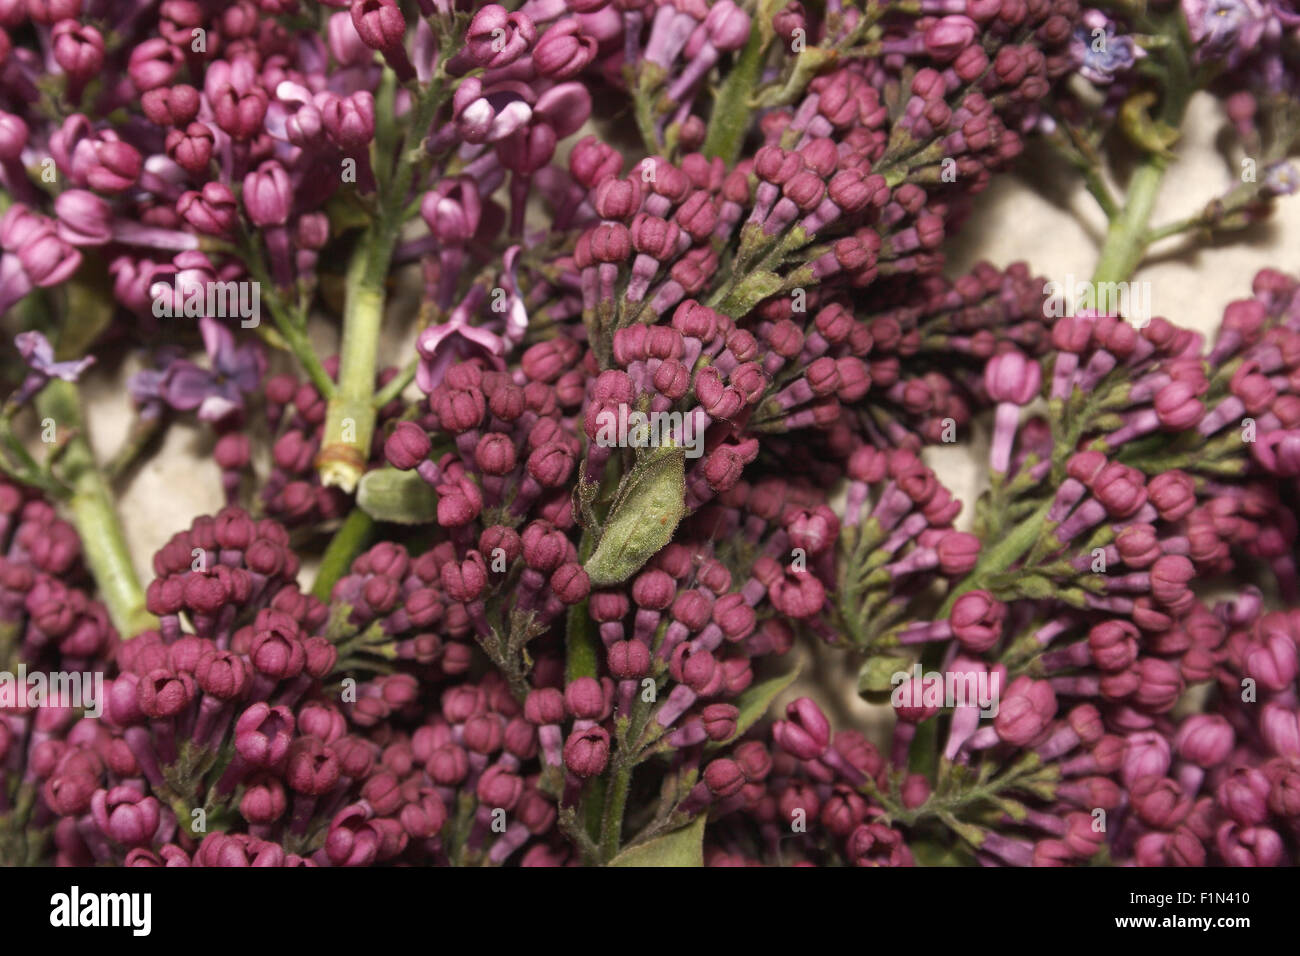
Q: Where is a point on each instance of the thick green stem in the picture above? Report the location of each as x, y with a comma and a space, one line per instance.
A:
346, 544
611, 831
1126, 240
91, 509
350, 415
579, 644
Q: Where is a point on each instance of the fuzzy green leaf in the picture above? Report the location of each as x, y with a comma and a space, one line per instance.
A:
753, 703
684, 847
644, 517
401, 497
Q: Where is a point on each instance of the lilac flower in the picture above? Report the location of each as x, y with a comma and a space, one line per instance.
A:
1281, 179
146, 385
1217, 27
218, 393
1099, 51
38, 354
455, 339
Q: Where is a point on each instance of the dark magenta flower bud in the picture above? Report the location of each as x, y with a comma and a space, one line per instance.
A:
958, 552
720, 721
629, 660
976, 620
448, 766
1027, 708
570, 583
1279, 725
586, 752
593, 161
162, 693
807, 732
125, 815
1146, 754
545, 548
276, 650
497, 38
321, 656
154, 63
617, 198
1011, 377
723, 777
1205, 739
264, 801
1170, 575
263, 734
545, 706
268, 195
349, 121
213, 211
584, 699
1122, 490
1173, 493
563, 51
498, 787
78, 49
424, 817
1243, 795
1159, 802
191, 149
1113, 645
465, 581
312, 767
48, 12
495, 454
379, 23
949, 36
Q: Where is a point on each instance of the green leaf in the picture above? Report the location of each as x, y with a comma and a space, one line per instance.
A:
877, 674
401, 497
90, 308
934, 853
758, 285
644, 517
1154, 136
753, 703
731, 113
684, 847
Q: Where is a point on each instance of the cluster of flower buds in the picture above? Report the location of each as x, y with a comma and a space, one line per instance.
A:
50, 629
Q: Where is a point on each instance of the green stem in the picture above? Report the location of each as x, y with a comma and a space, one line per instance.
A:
1001, 556
92, 512
611, 831
346, 544
395, 387
579, 646
1126, 240
350, 414
295, 336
